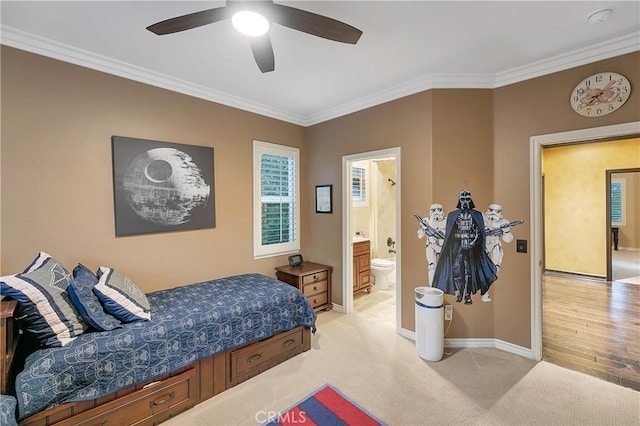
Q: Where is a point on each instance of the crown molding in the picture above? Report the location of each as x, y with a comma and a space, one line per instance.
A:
63, 52
608, 49
32, 43
597, 52
451, 81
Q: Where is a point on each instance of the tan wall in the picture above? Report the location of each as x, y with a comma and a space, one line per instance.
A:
460, 157
575, 203
57, 193
404, 123
537, 107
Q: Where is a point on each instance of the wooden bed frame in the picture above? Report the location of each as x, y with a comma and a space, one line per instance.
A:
153, 402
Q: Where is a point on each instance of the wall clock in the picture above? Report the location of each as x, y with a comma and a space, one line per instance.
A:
600, 94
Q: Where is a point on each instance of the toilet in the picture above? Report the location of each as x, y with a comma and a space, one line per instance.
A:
381, 270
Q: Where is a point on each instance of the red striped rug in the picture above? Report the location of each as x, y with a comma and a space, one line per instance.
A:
325, 406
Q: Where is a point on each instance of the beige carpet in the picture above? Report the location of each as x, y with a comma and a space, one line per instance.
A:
361, 355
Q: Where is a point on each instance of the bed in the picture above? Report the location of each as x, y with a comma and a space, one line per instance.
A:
201, 340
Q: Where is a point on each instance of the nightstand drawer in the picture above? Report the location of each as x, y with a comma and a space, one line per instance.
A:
318, 300
315, 288
312, 278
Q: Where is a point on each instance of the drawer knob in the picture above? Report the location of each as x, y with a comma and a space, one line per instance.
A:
165, 399
254, 358
288, 343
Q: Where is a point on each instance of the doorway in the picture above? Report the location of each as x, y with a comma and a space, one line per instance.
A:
623, 225
537, 143
384, 237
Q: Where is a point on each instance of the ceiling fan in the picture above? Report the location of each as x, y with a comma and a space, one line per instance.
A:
263, 14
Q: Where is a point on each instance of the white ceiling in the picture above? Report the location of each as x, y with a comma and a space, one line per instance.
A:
406, 47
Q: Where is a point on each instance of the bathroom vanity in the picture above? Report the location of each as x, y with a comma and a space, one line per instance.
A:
312, 279
361, 265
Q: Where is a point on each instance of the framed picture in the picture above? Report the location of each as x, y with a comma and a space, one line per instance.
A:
324, 202
161, 186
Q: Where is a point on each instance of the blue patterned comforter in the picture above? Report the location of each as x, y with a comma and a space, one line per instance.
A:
187, 324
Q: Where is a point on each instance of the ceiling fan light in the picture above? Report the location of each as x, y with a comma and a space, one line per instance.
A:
250, 23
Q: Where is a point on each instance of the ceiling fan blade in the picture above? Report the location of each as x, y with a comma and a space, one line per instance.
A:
314, 24
187, 22
263, 52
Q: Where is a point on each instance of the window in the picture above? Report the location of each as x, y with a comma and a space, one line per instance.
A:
275, 199
618, 202
358, 184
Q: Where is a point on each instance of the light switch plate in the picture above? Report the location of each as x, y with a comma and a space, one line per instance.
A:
521, 246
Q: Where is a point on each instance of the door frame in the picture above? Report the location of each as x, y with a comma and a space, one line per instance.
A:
537, 143
347, 229
608, 177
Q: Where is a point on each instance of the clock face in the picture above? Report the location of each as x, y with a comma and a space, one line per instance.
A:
600, 94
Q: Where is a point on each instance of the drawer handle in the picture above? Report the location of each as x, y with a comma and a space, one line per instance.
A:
254, 358
315, 287
165, 400
288, 343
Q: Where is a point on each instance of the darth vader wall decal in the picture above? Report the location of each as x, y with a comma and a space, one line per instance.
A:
464, 251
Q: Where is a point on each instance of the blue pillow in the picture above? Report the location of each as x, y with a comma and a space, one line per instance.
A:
87, 303
121, 297
8, 410
45, 309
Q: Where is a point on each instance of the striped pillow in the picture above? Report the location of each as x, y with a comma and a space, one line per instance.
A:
121, 297
45, 309
87, 303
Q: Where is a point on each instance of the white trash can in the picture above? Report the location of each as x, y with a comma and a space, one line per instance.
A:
430, 323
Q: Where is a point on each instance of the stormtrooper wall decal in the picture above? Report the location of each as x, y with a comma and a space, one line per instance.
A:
464, 253
433, 228
497, 229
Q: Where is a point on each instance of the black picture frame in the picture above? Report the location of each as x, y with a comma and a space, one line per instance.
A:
324, 199
161, 186
295, 260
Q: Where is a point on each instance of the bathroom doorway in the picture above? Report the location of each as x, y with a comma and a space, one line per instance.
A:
371, 213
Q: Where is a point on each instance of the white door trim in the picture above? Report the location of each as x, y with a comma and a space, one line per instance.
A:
594, 134
347, 231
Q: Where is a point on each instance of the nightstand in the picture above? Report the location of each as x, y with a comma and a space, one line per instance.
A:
312, 279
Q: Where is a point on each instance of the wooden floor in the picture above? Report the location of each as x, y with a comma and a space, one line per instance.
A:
592, 326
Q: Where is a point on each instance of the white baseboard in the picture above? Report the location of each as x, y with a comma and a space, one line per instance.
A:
478, 343
338, 308
468, 342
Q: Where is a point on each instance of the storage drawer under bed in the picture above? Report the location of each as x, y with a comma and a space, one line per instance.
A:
248, 361
157, 402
